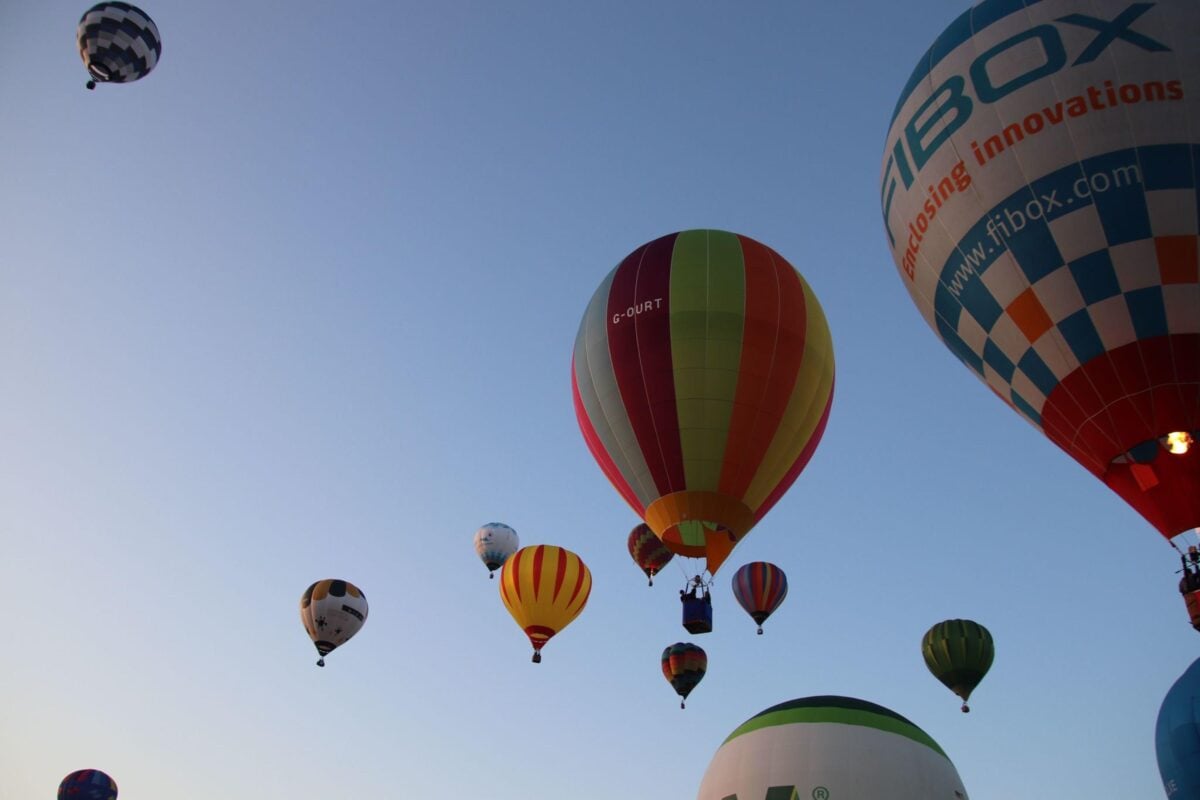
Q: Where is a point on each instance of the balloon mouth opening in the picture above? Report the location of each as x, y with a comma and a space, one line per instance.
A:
1178, 443
98, 72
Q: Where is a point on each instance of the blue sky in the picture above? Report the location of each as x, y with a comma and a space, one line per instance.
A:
301, 305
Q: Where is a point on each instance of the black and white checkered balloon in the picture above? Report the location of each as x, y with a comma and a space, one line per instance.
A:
118, 43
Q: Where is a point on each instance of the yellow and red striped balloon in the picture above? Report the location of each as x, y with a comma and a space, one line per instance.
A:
702, 378
544, 587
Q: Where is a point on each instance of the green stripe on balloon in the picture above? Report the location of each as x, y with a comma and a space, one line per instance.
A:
708, 298
841, 714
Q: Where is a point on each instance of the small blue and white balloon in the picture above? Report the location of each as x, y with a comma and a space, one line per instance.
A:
494, 543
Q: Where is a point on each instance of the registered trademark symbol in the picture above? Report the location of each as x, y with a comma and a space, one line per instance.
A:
820, 793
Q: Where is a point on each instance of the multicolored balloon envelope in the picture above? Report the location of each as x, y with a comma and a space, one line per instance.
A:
1177, 736
760, 587
684, 665
544, 588
118, 43
87, 784
1039, 198
494, 543
702, 378
648, 551
332, 611
828, 748
959, 652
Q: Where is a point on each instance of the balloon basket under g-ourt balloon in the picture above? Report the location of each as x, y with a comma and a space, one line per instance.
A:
697, 613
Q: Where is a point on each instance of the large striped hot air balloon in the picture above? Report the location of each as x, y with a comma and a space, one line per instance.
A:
544, 588
702, 378
1039, 197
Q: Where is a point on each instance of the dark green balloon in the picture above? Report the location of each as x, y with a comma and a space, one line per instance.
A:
959, 653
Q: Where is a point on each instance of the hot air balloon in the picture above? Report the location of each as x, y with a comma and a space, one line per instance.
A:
544, 588
1177, 737
959, 653
494, 543
647, 551
684, 665
332, 611
118, 43
87, 784
1039, 199
702, 379
828, 748
759, 588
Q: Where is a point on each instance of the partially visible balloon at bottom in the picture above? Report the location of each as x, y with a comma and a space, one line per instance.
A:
87, 784
830, 748
1177, 736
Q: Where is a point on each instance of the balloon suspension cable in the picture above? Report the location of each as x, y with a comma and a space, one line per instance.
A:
679, 563
650, 575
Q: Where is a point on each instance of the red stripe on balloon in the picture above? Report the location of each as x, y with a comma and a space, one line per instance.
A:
539, 555
639, 343
513, 563
772, 348
579, 581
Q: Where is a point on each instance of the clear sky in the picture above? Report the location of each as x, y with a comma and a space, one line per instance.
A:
301, 304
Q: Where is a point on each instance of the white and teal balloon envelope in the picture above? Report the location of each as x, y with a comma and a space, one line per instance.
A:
830, 748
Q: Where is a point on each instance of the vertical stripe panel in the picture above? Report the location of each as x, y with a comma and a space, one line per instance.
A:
603, 406
772, 348
807, 409
707, 309
639, 344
